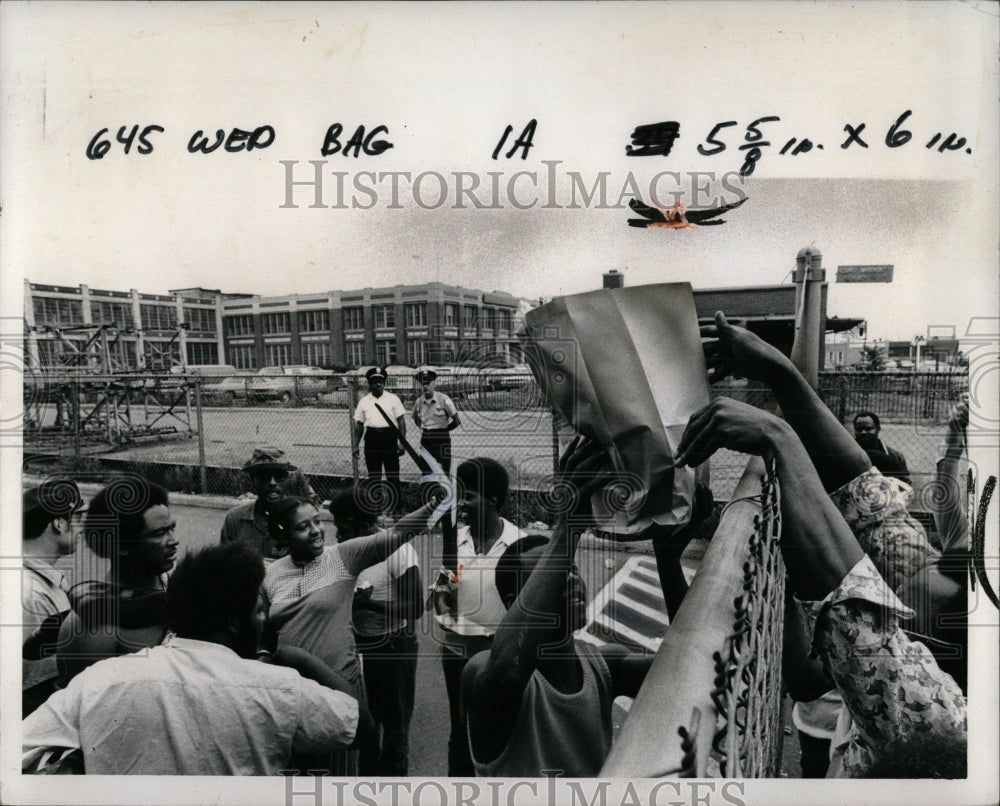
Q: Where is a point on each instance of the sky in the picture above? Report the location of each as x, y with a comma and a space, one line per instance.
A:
445, 84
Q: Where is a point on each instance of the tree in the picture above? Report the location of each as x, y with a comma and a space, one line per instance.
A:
872, 359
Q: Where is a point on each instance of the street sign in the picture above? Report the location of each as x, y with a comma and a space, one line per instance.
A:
864, 274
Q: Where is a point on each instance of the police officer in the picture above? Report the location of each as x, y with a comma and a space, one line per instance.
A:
382, 448
435, 414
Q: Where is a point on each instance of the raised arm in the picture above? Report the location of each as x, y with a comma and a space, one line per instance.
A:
893, 688
834, 453
494, 682
821, 549
381, 544
949, 511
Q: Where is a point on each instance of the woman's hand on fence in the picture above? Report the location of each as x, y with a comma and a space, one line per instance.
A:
727, 423
732, 350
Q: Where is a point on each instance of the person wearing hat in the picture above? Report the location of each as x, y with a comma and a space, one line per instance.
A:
382, 448
436, 417
48, 513
268, 470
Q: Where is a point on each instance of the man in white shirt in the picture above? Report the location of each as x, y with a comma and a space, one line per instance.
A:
468, 606
382, 445
199, 704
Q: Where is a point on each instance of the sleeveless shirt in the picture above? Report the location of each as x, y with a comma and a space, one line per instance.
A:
570, 733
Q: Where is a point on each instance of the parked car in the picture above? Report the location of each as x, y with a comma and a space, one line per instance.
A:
288, 382
228, 389
513, 377
400, 380
216, 380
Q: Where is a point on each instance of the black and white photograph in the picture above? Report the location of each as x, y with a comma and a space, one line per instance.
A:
500, 403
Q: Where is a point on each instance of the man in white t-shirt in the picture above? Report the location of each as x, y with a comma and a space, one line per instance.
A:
382, 445
468, 606
387, 606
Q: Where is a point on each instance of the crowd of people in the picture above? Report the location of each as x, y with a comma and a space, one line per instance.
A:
279, 650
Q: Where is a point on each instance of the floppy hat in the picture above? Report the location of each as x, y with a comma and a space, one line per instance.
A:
268, 458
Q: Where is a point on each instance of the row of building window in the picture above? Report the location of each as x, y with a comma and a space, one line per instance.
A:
157, 317
200, 320
118, 314
383, 317
57, 312
159, 354
318, 354
53, 311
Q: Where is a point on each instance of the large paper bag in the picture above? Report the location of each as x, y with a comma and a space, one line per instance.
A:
625, 367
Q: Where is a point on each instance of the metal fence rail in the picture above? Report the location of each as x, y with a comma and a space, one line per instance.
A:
156, 421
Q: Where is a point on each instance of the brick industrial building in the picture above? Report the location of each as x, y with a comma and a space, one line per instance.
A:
412, 324
404, 324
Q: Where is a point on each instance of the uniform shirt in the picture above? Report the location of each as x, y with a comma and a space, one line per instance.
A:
479, 609
310, 604
434, 414
369, 415
187, 708
245, 523
43, 594
892, 686
382, 576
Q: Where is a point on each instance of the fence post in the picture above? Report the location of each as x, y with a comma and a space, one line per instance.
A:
809, 276
75, 402
352, 385
680, 681
555, 440
202, 482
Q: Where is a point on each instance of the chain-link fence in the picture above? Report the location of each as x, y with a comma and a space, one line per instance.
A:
193, 434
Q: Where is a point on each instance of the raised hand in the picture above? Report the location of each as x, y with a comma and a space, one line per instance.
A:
727, 423
732, 350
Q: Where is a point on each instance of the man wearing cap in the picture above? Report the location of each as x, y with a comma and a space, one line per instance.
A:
269, 469
436, 416
48, 532
382, 448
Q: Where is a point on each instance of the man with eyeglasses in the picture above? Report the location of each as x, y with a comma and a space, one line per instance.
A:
268, 470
